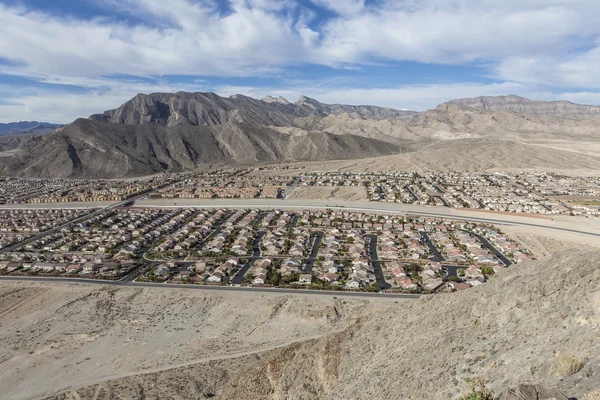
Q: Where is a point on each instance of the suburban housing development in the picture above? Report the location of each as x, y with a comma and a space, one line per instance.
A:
319, 249
526, 192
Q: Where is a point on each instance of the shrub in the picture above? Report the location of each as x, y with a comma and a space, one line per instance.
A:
478, 390
567, 365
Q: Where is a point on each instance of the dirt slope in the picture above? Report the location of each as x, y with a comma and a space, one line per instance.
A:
56, 336
510, 331
474, 155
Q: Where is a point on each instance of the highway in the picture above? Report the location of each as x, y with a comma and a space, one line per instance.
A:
381, 208
339, 293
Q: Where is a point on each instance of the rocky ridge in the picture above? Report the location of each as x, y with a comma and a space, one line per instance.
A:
181, 131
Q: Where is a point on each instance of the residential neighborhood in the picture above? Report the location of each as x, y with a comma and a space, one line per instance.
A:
317, 249
525, 192
535, 193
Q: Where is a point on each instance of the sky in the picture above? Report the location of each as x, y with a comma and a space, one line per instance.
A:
64, 59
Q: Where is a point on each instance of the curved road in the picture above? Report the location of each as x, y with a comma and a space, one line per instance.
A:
383, 208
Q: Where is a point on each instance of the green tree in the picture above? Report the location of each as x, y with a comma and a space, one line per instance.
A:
413, 268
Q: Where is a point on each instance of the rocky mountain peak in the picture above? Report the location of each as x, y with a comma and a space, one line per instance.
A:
279, 100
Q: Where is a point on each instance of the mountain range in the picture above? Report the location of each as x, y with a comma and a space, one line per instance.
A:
27, 127
181, 131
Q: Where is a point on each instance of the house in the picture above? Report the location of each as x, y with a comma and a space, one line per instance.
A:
162, 271
200, 266
329, 277
73, 268
305, 279
61, 267
8, 266
89, 267
354, 283
184, 274
216, 277
259, 279
458, 286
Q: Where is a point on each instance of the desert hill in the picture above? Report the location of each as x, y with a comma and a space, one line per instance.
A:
476, 154
88, 148
524, 326
181, 131
523, 105
209, 109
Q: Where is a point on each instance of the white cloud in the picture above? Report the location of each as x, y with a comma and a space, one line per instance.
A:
529, 46
578, 70
259, 36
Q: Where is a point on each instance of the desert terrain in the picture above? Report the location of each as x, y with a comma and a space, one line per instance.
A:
511, 331
81, 341
71, 335
571, 157
330, 193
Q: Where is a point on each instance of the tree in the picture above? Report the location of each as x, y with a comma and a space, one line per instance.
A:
413, 269
373, 287
487, 271
273, 277
249, 278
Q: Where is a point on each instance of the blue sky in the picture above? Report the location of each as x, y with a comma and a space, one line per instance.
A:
64, 59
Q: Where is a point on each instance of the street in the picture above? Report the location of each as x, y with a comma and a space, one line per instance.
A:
337, 293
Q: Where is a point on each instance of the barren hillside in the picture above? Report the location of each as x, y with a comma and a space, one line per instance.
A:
183, 131
518, 328
59, 336
475, 155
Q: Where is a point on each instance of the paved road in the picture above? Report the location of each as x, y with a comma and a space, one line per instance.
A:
493, 249
409, 190
313, 256
217, 228
339, 293
238, 278
383, 208
452, 270
443, 200
380, 278
290, 189
437, 256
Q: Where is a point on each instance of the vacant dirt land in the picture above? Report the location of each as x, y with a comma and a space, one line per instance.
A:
512, 330
345, 193
56, 336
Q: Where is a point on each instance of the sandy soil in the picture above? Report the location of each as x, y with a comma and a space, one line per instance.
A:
544, 246
509, 331
56, 336
346, 193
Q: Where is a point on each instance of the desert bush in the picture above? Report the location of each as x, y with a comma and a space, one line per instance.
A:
567, 365
478, 390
